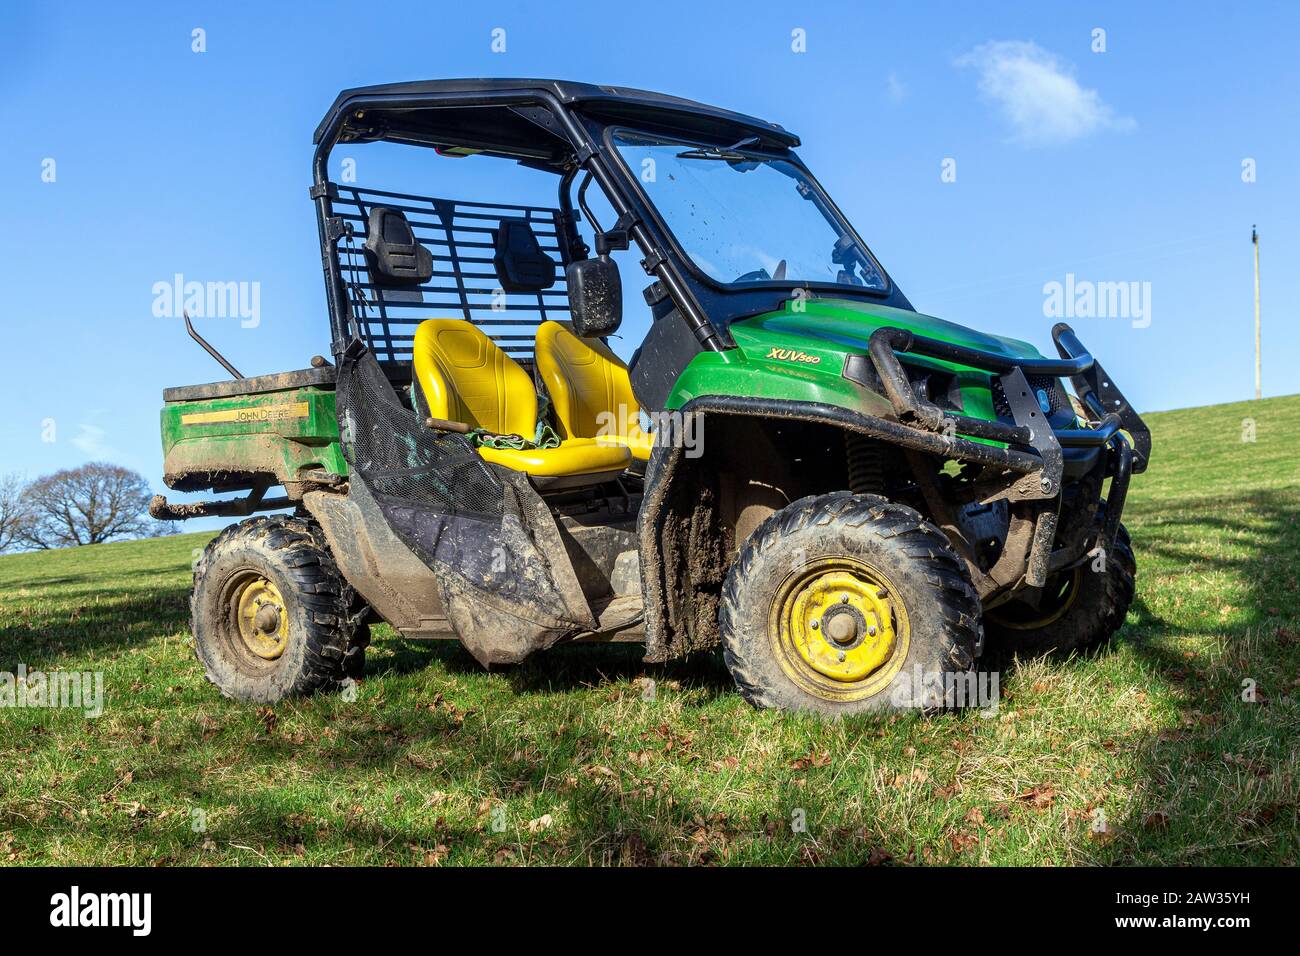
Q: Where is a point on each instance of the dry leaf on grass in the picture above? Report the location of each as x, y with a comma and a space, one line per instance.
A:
814, 758
1039, 797
963, 841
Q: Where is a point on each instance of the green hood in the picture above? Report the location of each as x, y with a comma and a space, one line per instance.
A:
844, 325
799, 354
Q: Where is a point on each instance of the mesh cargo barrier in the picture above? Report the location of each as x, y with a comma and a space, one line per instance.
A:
505, 576
460, 236
403, 460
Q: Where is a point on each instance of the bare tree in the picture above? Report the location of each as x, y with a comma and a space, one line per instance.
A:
88, 505
15, 511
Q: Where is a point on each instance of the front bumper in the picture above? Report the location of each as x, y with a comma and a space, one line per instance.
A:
1033, 447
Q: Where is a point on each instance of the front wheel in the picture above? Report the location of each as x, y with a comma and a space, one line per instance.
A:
844, 604
1078, 611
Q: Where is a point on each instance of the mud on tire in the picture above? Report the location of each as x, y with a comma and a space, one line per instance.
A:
934, 609
276, 571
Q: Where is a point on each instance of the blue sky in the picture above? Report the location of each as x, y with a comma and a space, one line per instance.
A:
1115, 166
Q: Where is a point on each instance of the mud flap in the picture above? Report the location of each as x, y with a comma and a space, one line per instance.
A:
504, 574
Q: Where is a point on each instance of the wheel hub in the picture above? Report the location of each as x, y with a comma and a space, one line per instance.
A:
267, 619
261, 618
1054, 603
844, 625
840, 621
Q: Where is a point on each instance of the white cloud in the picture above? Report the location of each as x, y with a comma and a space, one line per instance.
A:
89, 440
895, 89
1038, 95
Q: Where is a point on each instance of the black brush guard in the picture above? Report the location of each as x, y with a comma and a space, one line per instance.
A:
1034, 448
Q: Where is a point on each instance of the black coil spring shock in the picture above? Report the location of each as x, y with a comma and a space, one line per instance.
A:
865, 465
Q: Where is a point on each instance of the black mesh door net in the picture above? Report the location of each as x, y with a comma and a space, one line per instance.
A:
504, 574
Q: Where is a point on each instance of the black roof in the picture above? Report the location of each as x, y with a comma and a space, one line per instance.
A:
615, 102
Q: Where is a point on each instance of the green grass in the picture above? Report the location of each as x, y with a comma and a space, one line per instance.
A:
564, 761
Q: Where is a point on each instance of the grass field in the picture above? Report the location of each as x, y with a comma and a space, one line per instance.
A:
1146, 754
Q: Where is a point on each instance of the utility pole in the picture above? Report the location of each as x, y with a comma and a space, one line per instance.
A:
1254, 241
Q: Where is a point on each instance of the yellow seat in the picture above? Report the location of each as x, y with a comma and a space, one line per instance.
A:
590, 390
465, 377
577, 456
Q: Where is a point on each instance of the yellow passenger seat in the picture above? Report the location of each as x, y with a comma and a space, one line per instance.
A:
464, 377
590, 390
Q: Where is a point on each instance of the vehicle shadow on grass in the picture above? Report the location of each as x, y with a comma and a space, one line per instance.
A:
564, 668
370, 791
93, 620
1222, 787
597, 825
40, 583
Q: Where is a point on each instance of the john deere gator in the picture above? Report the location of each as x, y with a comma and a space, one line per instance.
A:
850, 498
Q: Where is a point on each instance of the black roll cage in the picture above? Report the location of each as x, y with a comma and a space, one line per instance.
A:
587, 157
705, 307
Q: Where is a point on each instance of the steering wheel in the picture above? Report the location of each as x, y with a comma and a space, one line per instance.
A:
761, 275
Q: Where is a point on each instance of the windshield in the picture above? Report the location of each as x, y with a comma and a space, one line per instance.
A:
743, 217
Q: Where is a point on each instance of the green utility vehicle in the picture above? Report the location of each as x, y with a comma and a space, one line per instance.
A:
854, 500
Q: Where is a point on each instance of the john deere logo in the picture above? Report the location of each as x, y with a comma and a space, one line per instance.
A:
249, 413
792, 355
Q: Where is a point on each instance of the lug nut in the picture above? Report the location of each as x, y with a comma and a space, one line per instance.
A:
844, 599
815, 624
842, 657
871, 630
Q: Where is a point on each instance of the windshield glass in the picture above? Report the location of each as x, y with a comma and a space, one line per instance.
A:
743, 217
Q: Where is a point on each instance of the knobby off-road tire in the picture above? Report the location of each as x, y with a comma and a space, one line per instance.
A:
271, 614
1080, 612
847, 559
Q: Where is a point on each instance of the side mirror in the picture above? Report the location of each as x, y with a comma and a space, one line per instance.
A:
595, 297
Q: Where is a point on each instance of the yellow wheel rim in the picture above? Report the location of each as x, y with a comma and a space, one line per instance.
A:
839, 629
260, 616
1051, 611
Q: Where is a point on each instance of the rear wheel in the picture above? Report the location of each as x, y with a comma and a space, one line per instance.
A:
270, 612
1079, 610
842, 604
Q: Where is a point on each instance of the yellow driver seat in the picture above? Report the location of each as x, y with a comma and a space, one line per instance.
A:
590, 390
465, 377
